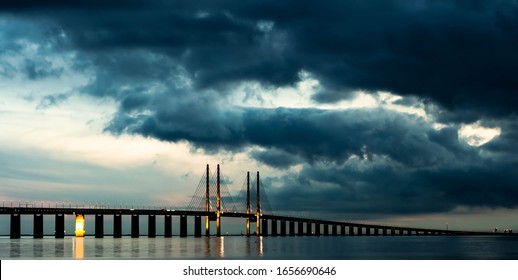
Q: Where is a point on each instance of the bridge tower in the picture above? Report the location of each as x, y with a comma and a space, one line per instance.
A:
207, 202
258, 211
248, 203
218, 206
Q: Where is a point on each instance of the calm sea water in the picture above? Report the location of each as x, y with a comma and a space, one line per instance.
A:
238, 247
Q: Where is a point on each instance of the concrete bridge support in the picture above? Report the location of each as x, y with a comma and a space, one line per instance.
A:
400, 232
317, 229
367, 231
360, 230
384, 231
309, 230
135, 226
392, 231
99, 225
292, 228
351, 230
38, 226
300, 229
15, 226
197, 226
168, 231
283, 227
265, 227
342, 230
326, 230
60, 226
151, 226
335, 230
117, 226
183, 226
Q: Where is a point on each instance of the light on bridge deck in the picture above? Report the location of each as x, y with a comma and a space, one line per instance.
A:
80, 225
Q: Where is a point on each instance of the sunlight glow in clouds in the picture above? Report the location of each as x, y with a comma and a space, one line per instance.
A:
253, 94
476, 135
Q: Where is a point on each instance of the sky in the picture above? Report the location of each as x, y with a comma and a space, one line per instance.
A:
392, 112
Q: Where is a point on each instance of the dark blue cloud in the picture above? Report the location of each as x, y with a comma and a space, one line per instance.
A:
171, 65
460, 54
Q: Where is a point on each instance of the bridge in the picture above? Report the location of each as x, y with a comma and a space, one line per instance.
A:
208, 204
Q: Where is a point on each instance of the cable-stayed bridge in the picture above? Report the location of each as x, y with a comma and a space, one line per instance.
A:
210, 202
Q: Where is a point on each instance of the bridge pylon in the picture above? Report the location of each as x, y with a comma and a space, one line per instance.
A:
248, 203
218, 205
258, 210
207, 202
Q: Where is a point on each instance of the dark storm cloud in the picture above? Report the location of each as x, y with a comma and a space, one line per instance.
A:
299, 135
172, 65
276, 158
460, 54
385, 188
358, 161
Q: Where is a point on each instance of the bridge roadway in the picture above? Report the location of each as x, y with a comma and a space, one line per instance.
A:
269, 223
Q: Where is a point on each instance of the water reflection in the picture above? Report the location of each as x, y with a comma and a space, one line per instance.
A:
59, 248
38, 248
132, 248
168, 247
117, 247
248, 249
79, 248
260, 246
151, 248
207, 247
14, 251
220, 247
99, 247
135, 250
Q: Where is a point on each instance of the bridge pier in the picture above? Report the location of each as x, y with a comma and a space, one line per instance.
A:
300, 229
384, 231
292, 228
283, 227
117, 226
317, 229
360, 230
335, 230
151, 226
265, 227
197, 226
351, 230
99, 225
309, 231
274, 227
342, 230
326, 230
400, 232
135, 226
168, 232
392, 231
15, 226
38, 226
367, 231
60, 226
183, 226
376, 231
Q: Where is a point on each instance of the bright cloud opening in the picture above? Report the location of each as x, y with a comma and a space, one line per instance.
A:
476, 135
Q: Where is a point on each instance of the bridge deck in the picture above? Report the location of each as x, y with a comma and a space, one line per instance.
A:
252, 217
